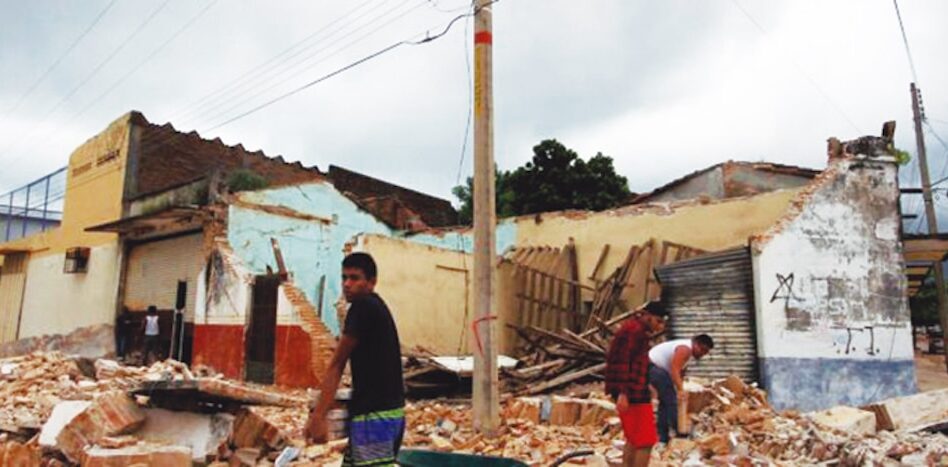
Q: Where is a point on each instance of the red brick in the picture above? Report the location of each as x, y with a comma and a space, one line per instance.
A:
253, 431
111, 414
153, 455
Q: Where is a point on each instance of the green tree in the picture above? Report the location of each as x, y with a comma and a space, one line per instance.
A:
555, 178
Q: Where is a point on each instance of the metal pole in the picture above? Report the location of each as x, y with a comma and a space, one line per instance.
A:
930, 216
486, 414
9, 217
26, 212
46, 201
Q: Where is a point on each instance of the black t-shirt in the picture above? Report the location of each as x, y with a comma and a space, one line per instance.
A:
376, 361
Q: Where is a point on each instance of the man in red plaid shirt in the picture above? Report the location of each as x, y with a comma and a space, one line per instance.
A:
627, 381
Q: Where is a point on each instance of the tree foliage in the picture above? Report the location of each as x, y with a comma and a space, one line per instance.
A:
556, 178
924, 304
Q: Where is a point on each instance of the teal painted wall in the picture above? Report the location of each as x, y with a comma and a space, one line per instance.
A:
311, 249
505, 237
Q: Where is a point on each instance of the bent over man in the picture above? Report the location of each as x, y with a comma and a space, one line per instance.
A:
370, 343
627, 382
666, 374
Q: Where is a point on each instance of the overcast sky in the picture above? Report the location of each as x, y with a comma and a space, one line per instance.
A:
663, 87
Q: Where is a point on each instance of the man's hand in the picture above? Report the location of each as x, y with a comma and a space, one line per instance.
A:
622, 404
317, 428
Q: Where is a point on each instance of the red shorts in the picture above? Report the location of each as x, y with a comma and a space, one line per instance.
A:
638, 424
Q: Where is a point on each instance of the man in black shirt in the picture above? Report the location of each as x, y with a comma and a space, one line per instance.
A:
370, 343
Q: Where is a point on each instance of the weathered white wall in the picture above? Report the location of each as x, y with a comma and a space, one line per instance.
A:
832, 317
58, 303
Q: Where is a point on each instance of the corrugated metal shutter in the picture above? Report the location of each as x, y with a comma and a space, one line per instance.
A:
11, 294
713, 294
154, 269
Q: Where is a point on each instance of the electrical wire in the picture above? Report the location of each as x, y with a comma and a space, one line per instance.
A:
908, 52
61, 57
89, 76
280, 59
800, 69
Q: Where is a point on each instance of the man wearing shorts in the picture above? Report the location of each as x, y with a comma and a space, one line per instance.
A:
370, 343
627, 382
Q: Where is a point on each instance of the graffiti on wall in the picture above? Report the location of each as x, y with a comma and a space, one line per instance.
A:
836, 304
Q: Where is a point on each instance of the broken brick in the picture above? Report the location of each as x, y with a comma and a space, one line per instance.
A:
253, 431
156, 455
110, 414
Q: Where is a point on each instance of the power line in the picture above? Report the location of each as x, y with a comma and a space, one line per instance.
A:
95, 71
908, 51
345, 68
141, 63
244, 98
61, 57
800, 70
254, 71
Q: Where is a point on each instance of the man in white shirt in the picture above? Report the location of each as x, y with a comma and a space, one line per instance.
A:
152, 330
666, 375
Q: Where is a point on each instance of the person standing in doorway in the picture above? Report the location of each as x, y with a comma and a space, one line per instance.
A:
152, 330
124, 329
627, 382
370, 344
666, 375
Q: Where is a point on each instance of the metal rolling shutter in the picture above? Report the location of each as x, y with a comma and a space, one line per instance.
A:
154, 269
713, 294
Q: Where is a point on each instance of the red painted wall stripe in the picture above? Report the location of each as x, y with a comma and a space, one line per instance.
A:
483, 37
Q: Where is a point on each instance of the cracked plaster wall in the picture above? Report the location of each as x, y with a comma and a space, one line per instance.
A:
832, 317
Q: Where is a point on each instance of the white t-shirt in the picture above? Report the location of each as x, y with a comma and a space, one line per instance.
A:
151, 325
662, 354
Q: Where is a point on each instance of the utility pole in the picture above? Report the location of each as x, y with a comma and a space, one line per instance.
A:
930, 215
485, 394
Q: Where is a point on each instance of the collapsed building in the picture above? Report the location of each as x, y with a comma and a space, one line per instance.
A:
797, 273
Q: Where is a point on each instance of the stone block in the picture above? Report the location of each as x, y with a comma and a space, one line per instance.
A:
847, 419
110, 414
153, 455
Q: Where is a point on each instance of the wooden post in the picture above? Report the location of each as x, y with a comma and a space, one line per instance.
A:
930, 216
486, 411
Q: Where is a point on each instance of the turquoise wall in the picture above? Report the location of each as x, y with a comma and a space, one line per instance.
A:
505, 237
311, 249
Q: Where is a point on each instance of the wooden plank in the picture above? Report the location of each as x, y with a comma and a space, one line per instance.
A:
594, 276
564, 379
583, 341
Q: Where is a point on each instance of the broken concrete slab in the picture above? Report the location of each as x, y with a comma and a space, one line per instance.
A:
202, 433
911, 413
110, 414
139, 454
847, 419
62, 414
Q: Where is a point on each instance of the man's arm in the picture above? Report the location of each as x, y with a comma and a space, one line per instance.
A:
316, 428
682, 354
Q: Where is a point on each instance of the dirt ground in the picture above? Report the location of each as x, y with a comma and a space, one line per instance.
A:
930, 371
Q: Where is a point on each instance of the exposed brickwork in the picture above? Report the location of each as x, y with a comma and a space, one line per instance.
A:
252, 431
166, 158
371, 192
322, 343
111, 414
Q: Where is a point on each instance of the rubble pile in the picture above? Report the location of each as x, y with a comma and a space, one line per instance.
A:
734, 424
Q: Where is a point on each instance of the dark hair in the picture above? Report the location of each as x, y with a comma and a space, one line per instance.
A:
656, 308
361, 261
704, 340
152, 309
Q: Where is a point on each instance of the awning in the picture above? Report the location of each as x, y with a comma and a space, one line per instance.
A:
921, 253
167, 220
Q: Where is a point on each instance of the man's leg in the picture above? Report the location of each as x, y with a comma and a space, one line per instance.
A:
642, 457
667, 401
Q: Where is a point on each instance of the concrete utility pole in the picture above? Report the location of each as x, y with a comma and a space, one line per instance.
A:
930, 215
486, 397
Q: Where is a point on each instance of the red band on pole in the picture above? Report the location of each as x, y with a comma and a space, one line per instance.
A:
483, 37
477, 334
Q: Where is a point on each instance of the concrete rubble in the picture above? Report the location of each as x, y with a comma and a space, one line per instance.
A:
62, 410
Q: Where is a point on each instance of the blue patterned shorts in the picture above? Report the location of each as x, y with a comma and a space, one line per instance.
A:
375, 438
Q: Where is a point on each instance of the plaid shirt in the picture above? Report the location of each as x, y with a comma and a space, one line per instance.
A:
627, 363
